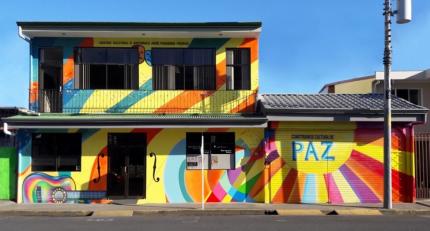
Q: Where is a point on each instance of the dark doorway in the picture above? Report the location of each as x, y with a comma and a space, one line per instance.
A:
127, 165
50, 79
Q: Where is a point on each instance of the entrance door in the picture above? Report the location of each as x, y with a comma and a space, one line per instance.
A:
127, 165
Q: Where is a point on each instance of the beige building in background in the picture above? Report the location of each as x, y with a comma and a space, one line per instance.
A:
413, 86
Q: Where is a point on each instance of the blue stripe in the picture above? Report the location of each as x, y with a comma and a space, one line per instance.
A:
130, 99
310, 194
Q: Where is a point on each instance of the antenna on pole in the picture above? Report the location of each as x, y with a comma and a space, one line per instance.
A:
404, 11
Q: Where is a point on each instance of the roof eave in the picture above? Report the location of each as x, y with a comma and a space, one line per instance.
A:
35, 122
140, 30
417, 118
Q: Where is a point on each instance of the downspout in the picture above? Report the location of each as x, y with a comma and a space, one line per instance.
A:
6, 130
26, 38
22, 35
374, 85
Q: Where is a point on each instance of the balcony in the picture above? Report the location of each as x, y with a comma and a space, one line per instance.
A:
144, 101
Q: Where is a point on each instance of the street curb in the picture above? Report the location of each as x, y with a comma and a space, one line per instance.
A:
299, 212
356, 212
47, 213
213, 212
207, 212
112, 213
405, 212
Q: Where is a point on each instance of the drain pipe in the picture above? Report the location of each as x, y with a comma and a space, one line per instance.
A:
26, 38
6, 130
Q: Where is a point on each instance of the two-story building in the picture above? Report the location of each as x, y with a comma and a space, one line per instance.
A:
127, 110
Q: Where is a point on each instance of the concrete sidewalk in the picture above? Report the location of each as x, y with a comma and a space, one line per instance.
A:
8, 208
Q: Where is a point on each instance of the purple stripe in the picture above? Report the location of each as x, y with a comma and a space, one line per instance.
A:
233, 175
364, 193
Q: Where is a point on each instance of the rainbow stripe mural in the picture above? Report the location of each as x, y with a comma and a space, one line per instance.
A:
337, 163
146, 100
289, 163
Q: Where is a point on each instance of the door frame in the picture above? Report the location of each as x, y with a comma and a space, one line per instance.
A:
126, 160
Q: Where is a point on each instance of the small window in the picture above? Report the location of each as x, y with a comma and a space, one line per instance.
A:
107, 68
411, 95
238, 68
56, 152
183, 69
219, 150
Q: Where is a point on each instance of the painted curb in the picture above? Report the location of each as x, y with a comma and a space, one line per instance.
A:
299, 212
358, 212
46, 213
207, 212
112, 213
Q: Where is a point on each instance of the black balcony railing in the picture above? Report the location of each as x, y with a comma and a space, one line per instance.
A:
47, 100
144, 101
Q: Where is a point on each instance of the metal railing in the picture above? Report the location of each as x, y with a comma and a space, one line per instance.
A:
47, 100
422, 165
145, 101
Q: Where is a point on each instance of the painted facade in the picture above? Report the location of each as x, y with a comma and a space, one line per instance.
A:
176, 185
146, 100
293, 163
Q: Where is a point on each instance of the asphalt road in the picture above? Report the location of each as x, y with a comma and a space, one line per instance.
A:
219, 223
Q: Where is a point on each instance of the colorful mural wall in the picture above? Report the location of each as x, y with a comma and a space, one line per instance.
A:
244, 183
146, 100
337, 163
289, 163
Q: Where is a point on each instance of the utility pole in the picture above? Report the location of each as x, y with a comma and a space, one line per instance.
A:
388, 204
404, 15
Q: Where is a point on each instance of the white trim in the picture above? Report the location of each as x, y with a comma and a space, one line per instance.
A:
300, 118
264, 125
290, 118
186, 33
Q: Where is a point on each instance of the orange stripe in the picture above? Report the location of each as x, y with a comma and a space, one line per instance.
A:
68, 70
34, 91
251, 43
245, 106
183, 101
221, 74
368, 176
287, 186
296, 194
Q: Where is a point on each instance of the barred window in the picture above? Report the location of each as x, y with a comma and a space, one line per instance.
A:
183, 68
106, 68
238, 69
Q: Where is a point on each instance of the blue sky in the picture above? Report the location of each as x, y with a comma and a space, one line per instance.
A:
304, 44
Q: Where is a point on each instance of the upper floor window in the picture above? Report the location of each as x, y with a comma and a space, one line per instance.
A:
183, 69
106, 68
238, 69
411, 95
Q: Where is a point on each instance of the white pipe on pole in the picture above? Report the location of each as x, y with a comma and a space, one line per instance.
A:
203, 167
